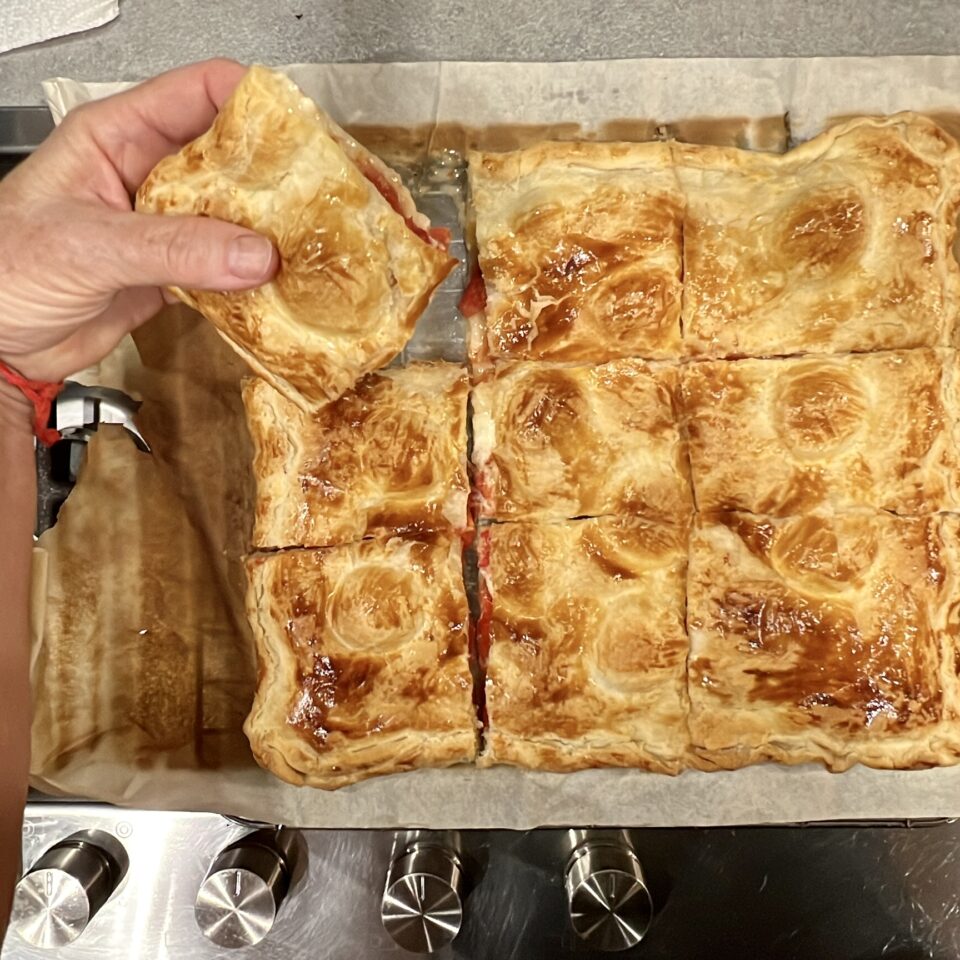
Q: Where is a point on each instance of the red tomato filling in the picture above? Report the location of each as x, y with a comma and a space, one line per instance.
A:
485, 621
435, 236
474, 298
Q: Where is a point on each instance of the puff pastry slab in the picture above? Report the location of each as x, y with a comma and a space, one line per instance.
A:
786, 436
355, 273
843, 243
362, 659
580, 249
587, 646
388, 457
574, 441
830, 639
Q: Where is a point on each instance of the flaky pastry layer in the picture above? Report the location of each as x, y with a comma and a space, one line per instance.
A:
824, 638
580, 249
843, 243
390, 456
790, 435
587, 647
560, 442
363, 666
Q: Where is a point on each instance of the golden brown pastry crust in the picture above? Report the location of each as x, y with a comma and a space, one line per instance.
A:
579, 244
560, 442
811, 636
388, 457
843, 243
786, 436
363, 661
587, 644
821, 638
353, 277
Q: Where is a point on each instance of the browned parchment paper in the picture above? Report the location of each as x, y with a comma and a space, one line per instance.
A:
143, 667
143, 651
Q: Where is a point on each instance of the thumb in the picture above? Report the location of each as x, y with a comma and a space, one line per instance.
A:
196, 253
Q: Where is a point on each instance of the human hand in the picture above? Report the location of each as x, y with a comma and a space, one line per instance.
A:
78, 268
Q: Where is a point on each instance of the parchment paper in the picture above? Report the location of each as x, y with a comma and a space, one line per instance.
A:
143, 668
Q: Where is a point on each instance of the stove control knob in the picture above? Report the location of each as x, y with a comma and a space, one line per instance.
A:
242, 893
422, 906
62, 892
610, 905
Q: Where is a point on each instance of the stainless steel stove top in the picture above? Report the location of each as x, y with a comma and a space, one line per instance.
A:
103, 882
109, 883
174, 885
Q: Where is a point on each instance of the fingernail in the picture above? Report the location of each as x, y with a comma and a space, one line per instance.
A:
249, 258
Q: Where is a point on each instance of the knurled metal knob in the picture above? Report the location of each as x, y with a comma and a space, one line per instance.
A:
422, 906
62, 892
610, 905
245, 887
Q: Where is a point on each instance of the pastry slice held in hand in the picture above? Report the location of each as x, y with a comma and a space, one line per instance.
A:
358, 263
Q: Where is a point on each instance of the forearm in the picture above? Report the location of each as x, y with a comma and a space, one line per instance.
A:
17, 516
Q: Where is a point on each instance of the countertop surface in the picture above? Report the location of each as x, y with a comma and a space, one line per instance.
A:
152, 35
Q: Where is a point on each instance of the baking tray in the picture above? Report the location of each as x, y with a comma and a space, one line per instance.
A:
758, 103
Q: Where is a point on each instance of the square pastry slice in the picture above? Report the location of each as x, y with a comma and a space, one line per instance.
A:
580, 250
363, 665
390, 456
357, 261
825, 638
571, 441
584, 623
785, 436
844, 243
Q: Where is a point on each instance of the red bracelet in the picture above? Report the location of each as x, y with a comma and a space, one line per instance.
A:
41, 395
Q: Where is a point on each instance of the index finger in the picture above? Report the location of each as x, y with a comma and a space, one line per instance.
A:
137, 128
